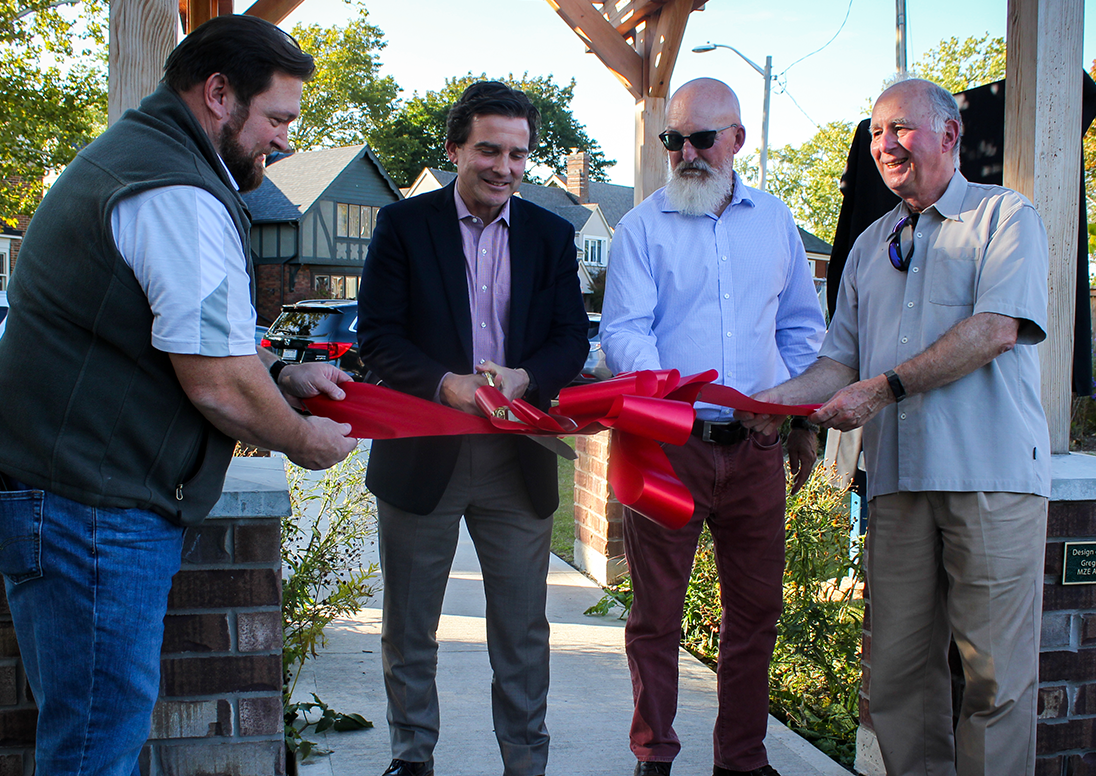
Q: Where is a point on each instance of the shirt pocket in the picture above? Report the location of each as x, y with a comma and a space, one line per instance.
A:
21, 534
953, 279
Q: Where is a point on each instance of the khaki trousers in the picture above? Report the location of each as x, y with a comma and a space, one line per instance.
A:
968, 566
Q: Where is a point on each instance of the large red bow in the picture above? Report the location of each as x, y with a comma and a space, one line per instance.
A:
643, 408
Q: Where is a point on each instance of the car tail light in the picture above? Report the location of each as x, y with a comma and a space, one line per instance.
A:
264, 343
334, 349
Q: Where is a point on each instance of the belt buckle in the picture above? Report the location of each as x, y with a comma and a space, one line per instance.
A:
706, 434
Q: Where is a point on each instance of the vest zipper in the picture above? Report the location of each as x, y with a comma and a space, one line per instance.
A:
179, 493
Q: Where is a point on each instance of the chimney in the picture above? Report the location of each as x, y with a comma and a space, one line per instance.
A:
578, 175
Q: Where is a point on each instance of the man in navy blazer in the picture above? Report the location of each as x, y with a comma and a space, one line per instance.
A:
462, 285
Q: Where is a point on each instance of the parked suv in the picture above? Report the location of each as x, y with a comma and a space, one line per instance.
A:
317, 330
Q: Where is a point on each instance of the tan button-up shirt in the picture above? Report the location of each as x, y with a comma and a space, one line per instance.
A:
979, 249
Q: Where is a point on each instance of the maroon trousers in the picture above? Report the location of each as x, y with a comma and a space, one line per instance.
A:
739, 490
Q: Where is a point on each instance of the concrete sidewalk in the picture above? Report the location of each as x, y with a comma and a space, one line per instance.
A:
589, 704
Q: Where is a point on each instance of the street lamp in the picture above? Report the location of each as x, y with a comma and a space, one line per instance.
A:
765, 73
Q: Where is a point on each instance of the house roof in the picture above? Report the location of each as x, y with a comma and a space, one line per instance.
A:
267, 203
813, 244
293, 183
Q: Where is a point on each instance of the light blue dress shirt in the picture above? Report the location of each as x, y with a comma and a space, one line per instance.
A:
732, 293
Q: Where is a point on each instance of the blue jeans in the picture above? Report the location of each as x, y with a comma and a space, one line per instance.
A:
88, 592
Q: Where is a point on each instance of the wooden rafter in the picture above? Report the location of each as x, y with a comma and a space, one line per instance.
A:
638, 40
626, 15
603, 39
274, 11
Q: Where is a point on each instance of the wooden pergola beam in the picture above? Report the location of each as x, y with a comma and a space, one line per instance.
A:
274, 11
638, 40
603, 39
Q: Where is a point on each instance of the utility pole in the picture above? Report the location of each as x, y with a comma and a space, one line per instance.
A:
767, 74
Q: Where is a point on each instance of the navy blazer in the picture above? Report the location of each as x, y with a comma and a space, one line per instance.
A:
415, 325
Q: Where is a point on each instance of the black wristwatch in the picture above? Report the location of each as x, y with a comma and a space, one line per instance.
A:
276, 370
895, 383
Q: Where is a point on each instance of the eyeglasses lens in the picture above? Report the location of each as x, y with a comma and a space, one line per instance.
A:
675, 141
894, 247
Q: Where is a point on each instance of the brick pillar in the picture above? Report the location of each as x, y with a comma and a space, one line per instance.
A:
599, 537
220, 707
1066, 731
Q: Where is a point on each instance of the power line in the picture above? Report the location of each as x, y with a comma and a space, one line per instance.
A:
827, 43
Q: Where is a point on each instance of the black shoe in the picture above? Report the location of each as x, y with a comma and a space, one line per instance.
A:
764, 770
652, 769
404, 768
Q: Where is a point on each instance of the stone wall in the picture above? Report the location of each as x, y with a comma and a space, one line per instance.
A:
220, 707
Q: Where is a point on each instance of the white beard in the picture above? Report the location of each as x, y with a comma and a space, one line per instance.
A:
697, 195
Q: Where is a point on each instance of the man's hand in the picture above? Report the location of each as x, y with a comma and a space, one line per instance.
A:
765, 425
459, 392
325, 444
303, 381
802, 455
510, 382
236, 395
854, 405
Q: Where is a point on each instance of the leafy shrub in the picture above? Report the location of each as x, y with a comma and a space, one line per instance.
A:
331, 520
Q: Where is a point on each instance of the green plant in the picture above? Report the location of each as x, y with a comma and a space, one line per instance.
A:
619, 594
323, 539
814, 676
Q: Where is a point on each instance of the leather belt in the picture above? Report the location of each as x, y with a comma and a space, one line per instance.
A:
720, 432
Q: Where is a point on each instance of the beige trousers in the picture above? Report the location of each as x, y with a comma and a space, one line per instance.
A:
968, 566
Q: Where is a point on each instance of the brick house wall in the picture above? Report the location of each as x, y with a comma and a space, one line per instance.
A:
220, 707
277, 284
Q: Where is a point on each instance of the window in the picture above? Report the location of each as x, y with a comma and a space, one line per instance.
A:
594, 251
336, 286
5, 270
355, 221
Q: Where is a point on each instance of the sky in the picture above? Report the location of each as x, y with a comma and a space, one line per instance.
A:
431, 40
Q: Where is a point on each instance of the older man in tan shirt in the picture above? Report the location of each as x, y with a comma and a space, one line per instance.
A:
932, 351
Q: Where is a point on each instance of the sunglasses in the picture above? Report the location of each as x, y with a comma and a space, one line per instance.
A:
675, 141
894, 246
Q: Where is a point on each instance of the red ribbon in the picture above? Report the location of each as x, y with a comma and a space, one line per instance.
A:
643, 408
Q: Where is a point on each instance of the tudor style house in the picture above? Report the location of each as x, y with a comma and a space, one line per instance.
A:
312, 219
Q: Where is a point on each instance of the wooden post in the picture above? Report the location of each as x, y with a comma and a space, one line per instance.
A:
1043, 162
142, 34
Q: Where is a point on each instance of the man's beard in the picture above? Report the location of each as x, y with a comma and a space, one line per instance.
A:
695, 195
246, 168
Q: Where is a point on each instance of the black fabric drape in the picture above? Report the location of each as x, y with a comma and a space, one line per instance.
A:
981, 152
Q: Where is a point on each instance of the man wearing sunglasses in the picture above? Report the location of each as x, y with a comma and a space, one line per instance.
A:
932, 351
710, 273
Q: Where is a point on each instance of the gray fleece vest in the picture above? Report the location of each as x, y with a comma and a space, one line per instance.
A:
89, 409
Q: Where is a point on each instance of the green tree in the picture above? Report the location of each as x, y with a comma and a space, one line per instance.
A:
347, 101
807, 177
53, 93
960, 66
414, 138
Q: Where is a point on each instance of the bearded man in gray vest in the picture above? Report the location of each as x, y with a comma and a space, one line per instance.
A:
133, 278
